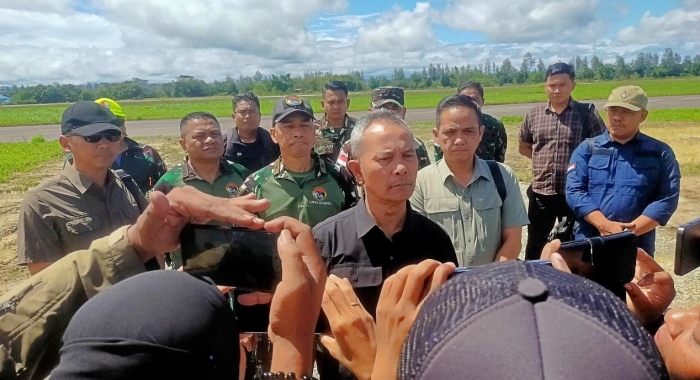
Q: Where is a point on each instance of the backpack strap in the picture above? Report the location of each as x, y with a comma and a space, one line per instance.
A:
141, 202
585, 110
133, 188
591, 144
497, 178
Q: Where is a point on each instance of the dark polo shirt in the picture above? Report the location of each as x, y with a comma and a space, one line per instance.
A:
253, 156
354, 247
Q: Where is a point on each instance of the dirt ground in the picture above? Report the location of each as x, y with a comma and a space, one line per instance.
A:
11, 194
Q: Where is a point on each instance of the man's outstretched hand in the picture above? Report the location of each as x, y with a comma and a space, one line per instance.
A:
158, 228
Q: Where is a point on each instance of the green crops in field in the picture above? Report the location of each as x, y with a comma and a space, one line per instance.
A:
26, 156
155, 109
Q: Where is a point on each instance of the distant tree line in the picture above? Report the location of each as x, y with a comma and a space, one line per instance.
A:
532, 70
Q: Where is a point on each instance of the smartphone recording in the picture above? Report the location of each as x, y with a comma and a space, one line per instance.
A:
687, 248
232, 256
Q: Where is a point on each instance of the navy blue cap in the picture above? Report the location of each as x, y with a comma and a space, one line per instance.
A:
519, 320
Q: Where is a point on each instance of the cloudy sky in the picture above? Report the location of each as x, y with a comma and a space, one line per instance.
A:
76, 41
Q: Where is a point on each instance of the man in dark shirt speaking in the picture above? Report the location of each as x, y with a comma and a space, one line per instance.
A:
382, 234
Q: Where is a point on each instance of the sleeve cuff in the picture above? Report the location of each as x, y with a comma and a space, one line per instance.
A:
123, 256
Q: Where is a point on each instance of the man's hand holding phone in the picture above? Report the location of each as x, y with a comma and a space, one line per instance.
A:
296, 303
158, 228
651, 291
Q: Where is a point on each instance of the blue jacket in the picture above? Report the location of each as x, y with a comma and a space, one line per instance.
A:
623, 182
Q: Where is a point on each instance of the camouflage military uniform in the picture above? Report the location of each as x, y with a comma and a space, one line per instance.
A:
329, 141
422, 153
225, 186
494, 143
328, 190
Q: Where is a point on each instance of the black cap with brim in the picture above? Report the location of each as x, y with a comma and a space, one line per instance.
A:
289, 105
290, 111
88, 118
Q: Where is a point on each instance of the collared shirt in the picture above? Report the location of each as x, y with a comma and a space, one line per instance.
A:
329, 140
253, 156
325, 193
354, 247
493, 144
473, 216
226, 185
623, 181
67, 213
554, 136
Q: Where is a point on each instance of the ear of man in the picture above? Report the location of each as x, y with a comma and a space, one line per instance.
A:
65, 144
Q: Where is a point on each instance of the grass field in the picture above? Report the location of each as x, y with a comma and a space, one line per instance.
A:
154, 109
26, 156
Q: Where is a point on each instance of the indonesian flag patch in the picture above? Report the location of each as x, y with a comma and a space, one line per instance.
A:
571, 167
343, 158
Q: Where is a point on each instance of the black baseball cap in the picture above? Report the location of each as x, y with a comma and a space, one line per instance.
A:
87, 119
520, 320
289, 105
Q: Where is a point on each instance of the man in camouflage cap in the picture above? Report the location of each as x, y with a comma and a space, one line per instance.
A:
392, 99
300, 184
335, 126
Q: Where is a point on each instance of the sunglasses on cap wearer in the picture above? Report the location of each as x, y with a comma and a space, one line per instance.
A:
110, 134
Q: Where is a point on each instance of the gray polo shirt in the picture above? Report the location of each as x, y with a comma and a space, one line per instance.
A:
474, 216
66, 213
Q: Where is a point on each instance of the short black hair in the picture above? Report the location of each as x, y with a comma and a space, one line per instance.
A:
336, 85
560, 68
246, 97
473, 85
199, 115
456, 101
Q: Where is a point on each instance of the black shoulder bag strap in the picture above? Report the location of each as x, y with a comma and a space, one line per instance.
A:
497, 179
585, 109
133, 188
141, 203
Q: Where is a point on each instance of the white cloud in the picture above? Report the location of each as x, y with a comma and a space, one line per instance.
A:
397, 31
249, 26
526, 20
40, 6
676, 26
76, 41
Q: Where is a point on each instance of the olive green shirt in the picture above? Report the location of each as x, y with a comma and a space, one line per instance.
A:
329, 191
474, 216
226, 185
35, 313
65, 214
